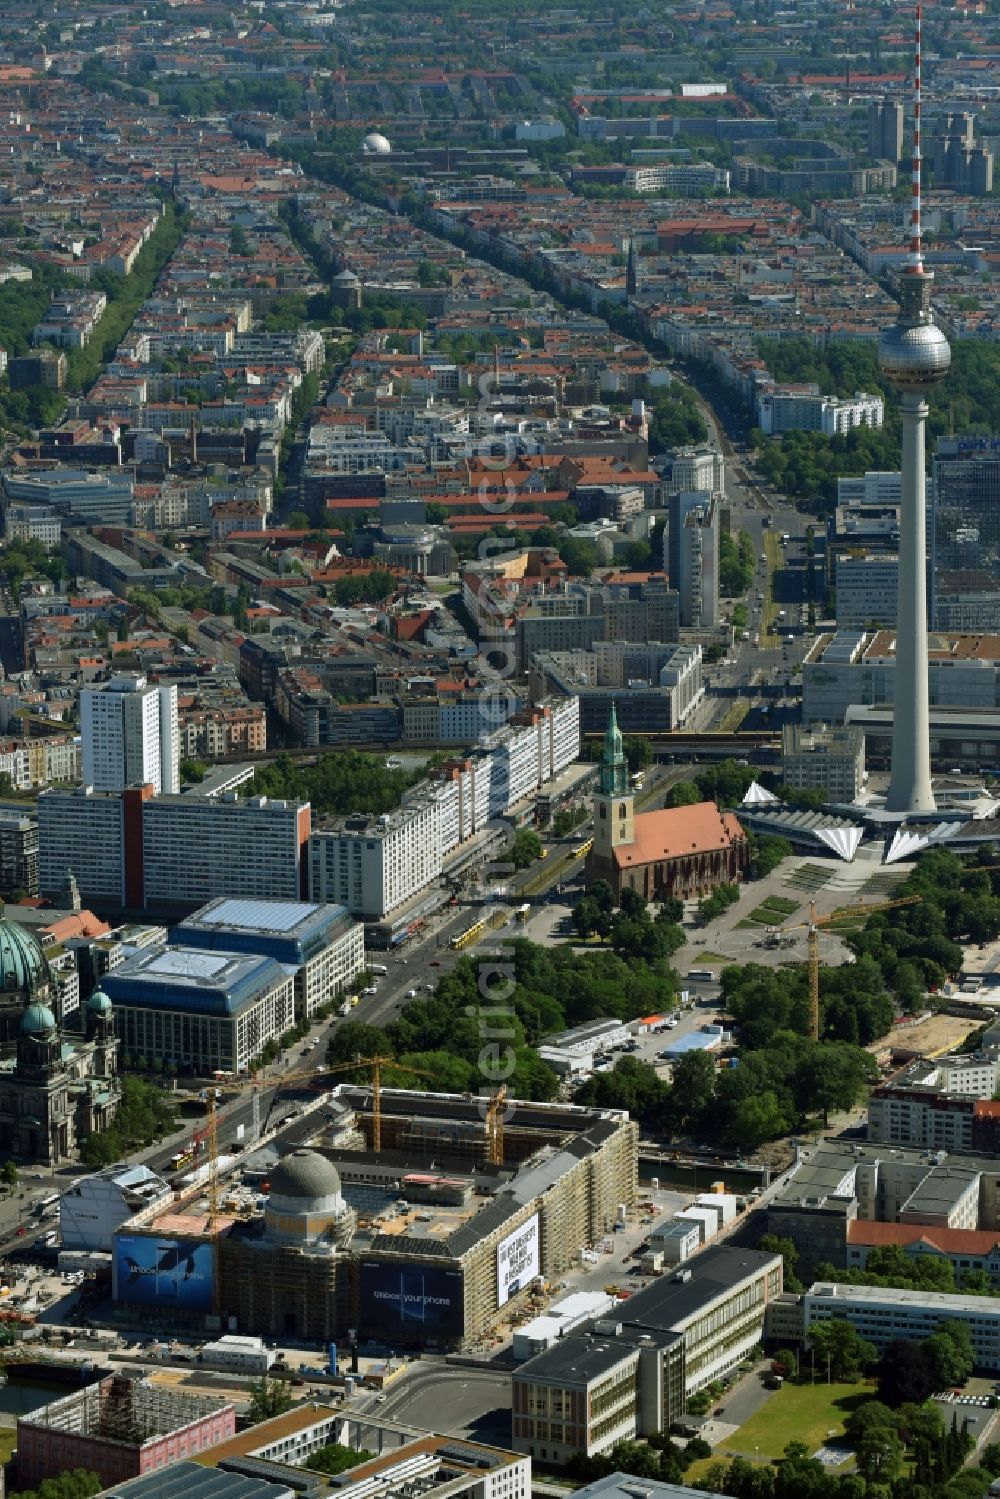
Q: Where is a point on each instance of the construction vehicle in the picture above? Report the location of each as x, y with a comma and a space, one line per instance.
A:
816, 924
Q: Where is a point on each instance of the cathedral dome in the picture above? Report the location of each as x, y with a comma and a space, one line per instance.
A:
23, 969
99, 1003
37, 1020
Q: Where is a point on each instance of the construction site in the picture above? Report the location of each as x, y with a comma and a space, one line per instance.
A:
118, 1428
407, 1217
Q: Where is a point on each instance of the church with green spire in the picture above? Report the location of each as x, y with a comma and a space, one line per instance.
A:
684, 852
614, 806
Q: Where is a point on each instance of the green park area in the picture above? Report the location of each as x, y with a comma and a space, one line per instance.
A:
805, 1413
798, 1413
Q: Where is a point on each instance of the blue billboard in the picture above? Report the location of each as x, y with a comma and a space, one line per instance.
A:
155, 1271
400, 1300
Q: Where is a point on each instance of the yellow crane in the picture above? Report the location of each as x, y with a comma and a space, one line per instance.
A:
816, 924
495, 1110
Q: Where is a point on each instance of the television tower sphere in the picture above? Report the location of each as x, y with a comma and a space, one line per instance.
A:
914, 353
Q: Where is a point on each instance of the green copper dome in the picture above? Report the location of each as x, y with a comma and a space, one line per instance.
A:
36, 1020
23, 969
99, 1003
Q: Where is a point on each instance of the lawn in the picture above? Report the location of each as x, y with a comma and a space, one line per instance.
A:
8, 1441
779, 903
763, 916
711, 958
796, 1413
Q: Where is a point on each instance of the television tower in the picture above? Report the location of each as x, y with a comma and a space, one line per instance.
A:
913, 356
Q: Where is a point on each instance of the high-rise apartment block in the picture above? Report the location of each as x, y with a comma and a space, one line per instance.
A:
885, 130
130, 735
958, 161
691, 555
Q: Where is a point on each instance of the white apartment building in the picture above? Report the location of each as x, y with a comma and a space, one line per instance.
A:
805, 411
32, 523
95, 1206
881, 1314
129, 735
866, 590
697, 468
372, 865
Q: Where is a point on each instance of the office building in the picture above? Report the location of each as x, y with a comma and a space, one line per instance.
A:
195, 848
129, 735
93, 1207
81, 833
831, 760
866, 587
188, 1008
633, 1374
860, 668
883, 1314
319, 944
965, 534
99, 499
623, 1486
653, 688
194, 1480
885, 130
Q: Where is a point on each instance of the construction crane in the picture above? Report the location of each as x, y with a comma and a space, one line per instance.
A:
495, 1111
816, 924
376, 1063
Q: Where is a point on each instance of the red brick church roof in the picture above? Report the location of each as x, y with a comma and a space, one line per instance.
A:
676, 831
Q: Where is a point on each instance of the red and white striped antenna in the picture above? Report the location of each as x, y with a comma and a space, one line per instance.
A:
915, 259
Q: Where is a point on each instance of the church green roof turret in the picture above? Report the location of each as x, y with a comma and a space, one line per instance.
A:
614, 770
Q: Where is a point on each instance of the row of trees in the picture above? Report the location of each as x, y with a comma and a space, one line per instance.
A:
339, 783
736, 564
444, 1035
146, 1114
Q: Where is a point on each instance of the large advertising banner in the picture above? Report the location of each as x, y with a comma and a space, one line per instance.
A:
518, 1260
411, 1298
156, 1271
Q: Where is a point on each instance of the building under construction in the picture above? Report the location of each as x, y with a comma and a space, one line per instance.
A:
435, 1238
118, 1428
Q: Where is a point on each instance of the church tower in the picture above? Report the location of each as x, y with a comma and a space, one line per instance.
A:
614, 806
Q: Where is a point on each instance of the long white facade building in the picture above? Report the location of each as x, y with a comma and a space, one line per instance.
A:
883, 1313
374, 865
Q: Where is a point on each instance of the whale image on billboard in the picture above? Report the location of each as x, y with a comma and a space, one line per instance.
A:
518, 1260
